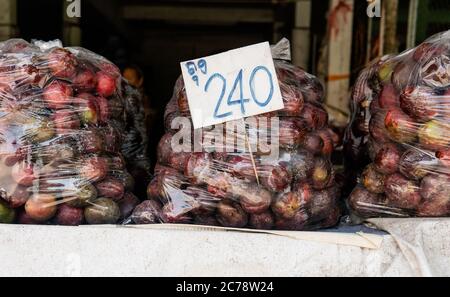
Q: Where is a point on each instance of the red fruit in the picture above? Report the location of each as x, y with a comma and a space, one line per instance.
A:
387, 159
291, 133
401, 127
322, 175
415, 164
388, 97
66, 121
90, 141
106, 84
103, 109
179, 160
289, 204
69, 216
41, 207
84, 81
127, 204
322, 203
217, 192
420, 102
62, 63
405, 73
172, 215
262, 221
436, 208
109, 68
377, 128
197, 167
301, 164
88, 108
444, 157
304, 190
58, 95
242, 166
110, 188
297, 223
253, 198
314, 117
365, 203
23, 174
313, 143
373, 180
313, 91
148, 212
435, 185
18, 197
293, 100
275, 178
401, 192
426, 51
231, 215
434, 135
328, 144
94, 168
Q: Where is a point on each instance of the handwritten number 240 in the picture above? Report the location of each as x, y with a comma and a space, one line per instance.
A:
238, 86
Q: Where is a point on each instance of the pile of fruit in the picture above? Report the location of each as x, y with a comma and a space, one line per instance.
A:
61, 113
296, 190
401, 131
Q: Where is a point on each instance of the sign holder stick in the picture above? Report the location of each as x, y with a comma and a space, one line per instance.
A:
250, 151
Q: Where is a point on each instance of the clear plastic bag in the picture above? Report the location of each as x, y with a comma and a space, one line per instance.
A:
398, 142
219, 181
61, 129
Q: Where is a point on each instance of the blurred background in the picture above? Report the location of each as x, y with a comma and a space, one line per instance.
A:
333, 39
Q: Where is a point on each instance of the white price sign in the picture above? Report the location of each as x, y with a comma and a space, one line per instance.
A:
232, 85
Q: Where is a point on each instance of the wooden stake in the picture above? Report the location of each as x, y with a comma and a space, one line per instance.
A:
250, 152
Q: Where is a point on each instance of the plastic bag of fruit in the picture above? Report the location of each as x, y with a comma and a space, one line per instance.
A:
271, 172
399, 135
60, 137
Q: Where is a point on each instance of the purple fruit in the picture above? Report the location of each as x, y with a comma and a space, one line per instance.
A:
69, 216
296, 223
322, 175
420, 102
415, 164
401, 192
387, 158
373, 180
365, 203
321, 203
435, 185
148, 212
231, 215
288, 204
262, 221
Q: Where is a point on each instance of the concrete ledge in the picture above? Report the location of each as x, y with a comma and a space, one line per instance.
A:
119, 251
